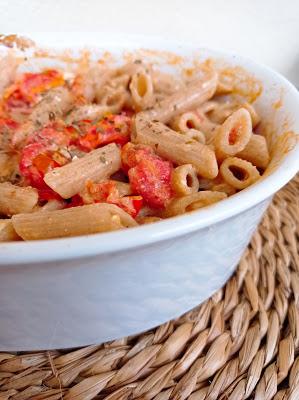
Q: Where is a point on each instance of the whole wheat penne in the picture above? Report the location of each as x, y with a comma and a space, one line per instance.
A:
166, 84
184, 180
238, 173
97, 165
234, 134
52, 205
142, 90
8, 165
114, 98
7, 231
192, 202
90, 111
256, 151
186, 99
174, 146
75, 221
54, 104
15, 199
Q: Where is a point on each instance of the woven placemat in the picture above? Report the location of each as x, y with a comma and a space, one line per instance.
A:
242, 343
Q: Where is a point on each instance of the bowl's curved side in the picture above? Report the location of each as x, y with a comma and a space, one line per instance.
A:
79, 302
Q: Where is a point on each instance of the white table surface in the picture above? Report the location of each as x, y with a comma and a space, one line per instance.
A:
265, 30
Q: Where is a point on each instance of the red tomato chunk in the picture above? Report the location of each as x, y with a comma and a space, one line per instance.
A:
149, 175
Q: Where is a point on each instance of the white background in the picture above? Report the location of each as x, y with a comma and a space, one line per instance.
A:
265, 30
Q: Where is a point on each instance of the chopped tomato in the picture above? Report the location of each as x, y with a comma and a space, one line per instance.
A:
131, 154
24, 92
112, 128
40, 155
8, 123
149, 175
34, 162
107, 192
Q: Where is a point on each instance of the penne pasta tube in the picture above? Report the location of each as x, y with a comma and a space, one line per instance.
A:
15, 199
54, 105
234, 134
239, 173
192, 96
174, 146
148, 220
97, 165
165, 84
256, 151
52, 205
255, 118
192, 202
114, 99
75, 221
142, 90
89, 111
8, 165
185, 122
196, 135
224, 187
7, 231
184, 180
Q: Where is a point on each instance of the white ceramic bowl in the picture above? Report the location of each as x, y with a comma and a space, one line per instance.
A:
77, 291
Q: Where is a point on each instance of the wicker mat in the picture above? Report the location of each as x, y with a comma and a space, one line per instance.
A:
243, 343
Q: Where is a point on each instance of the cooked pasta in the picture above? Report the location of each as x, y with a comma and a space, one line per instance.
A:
175, 147
184, 180
234, 134
238, 173
142, 90
15, 199
193, 95
256, 151
193, 202
93, 148
82, 220
7, 231
98, 165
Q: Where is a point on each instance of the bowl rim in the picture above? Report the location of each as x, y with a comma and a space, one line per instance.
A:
106, 243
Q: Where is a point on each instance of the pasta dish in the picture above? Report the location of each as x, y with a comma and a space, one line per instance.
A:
101, 148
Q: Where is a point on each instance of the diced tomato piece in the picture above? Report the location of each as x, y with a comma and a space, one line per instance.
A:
33, 157
131, 154
24, 92
8, 123
41, 155
110, 129
151, 178
149, 175
107, 192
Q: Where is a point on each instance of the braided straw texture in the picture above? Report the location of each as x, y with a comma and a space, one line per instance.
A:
243, 343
